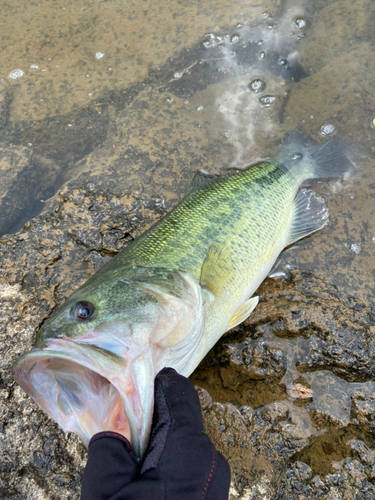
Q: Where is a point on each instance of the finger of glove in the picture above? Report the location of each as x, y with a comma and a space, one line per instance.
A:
182, 400
111, 465
177, 413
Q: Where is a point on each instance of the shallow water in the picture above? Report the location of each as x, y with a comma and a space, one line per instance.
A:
157, 91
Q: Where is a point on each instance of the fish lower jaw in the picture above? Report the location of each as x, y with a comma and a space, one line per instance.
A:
85, 399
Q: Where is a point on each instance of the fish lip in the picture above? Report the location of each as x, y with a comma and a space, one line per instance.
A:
140, 425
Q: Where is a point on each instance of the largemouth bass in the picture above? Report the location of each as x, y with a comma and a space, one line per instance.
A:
169, 296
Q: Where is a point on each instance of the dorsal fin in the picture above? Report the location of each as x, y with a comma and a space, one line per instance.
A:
200, 179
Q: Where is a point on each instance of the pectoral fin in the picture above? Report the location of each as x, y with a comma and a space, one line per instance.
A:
216, 270
243, 312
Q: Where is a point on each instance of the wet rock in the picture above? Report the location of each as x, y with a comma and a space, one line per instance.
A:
299, 391
248, 362
351, 478
363, 410
257, 443
339, 326
5, 102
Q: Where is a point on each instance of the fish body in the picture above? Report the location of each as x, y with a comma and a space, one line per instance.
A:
171, 294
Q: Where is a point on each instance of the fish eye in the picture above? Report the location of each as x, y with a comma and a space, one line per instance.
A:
83, 310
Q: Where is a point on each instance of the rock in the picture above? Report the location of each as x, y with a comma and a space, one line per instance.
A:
257, 443
5, 102
363, 410
250, 362
299, 391
351, 478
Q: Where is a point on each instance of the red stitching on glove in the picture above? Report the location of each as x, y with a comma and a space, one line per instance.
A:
210, 475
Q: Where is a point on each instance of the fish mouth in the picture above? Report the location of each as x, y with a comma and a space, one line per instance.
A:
87, 392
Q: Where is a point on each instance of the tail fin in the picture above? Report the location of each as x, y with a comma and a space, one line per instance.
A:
305, 158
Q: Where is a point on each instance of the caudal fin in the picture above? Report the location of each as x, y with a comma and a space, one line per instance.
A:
307, 159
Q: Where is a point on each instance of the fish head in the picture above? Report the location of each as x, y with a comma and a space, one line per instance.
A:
95, 359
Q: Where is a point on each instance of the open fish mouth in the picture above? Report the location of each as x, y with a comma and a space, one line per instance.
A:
86, 393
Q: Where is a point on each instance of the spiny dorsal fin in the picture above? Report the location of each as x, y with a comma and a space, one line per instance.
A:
216, 269
310, 215
243, 312
200, 179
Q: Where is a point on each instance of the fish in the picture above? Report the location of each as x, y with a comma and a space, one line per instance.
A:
168, 297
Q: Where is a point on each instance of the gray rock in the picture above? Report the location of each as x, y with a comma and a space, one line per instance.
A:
6, 95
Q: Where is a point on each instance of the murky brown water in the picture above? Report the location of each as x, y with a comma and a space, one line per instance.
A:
155, 91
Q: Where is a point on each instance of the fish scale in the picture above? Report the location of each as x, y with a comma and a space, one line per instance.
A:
232, 205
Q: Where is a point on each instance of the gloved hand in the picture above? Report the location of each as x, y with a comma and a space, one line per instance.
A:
181, 462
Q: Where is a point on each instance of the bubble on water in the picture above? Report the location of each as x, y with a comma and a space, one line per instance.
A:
234, 38
373, 239
267, 100
373, 122
34, 66
239, 25
29, 144
282, 62
16, 73
169, 100
99, 55
186, 101
257, 85
266, 14
199, 108
355, 248
300, 22
261, 55
297, 156
177, 75
327, 129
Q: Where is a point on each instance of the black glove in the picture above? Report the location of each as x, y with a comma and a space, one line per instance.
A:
181, 462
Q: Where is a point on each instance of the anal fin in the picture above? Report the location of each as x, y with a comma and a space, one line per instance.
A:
310, 215
243, 312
